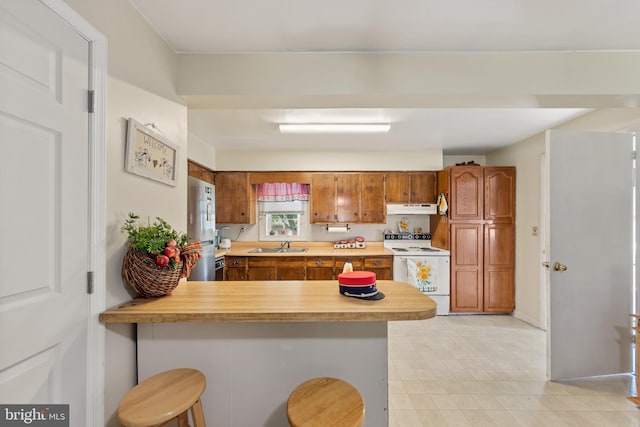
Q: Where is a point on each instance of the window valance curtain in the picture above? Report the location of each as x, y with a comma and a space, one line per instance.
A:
282, 192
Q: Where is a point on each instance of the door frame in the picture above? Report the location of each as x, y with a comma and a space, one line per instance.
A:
95, 375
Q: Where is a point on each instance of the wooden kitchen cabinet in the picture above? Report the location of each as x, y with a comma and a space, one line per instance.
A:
381, 265
356, 262
466, 193
372, 205
466, 267
198, 171
479, 230
499, 268
261, 268
499, 194
235, 268
411, 187
320, 268
279, 267
235, 198
323, 197
291, 268
347, 198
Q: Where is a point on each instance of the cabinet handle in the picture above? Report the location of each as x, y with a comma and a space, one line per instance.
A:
319, 262
377, 262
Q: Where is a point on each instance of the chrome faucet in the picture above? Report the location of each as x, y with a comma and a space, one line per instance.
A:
285, 243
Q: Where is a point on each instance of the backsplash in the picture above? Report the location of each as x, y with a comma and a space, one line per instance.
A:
371, 232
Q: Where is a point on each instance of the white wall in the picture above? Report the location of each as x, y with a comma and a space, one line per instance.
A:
201, 152
453, 160
309, 160
141, 85
525, 157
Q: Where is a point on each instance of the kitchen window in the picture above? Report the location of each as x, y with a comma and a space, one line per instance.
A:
282, 224
283, 211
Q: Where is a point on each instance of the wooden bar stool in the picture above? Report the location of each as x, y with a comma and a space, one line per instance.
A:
164, 397
325, 402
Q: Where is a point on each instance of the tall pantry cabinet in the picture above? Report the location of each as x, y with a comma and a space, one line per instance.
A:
479, 230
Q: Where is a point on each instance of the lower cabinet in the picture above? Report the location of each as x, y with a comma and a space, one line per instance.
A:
235, 268
302, 268
320, 268
482, 268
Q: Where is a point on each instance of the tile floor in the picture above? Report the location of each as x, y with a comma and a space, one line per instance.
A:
489, 371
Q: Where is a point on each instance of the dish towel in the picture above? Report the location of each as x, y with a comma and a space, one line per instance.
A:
442, 204
423, 274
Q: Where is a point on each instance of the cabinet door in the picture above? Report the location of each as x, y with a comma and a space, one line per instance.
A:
323, 197
261, 268
291, 268
466, 192
499, 268
382, 266
320, 268
200, 172
235, 202
372, 206
356, 262
232, 273
398, 187
499, 195
348, 197
466, 268
424, 187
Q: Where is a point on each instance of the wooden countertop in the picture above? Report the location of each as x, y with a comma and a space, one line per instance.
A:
314, 249
273, 301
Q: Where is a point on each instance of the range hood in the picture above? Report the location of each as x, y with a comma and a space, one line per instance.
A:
411, 209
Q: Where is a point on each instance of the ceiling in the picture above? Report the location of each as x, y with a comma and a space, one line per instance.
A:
257, 26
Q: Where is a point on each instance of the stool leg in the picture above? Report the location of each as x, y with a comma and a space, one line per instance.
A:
183, 419
197, 414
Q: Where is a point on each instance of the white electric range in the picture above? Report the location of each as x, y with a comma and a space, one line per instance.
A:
416, 262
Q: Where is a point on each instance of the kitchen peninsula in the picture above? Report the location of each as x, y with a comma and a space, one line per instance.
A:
256, 341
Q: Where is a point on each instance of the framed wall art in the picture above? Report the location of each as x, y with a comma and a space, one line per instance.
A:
151, 154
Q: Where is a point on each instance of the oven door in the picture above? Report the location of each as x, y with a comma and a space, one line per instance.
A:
430, 274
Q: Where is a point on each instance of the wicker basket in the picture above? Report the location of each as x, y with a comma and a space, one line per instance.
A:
148, 280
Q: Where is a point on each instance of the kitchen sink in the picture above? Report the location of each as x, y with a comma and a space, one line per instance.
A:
278, 250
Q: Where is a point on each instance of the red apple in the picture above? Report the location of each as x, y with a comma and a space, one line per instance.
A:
170, 251
172, 243
162, 260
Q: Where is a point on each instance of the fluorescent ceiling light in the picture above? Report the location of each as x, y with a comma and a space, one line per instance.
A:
334, 127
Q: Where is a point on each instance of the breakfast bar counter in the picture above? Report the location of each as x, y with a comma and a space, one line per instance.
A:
256, 341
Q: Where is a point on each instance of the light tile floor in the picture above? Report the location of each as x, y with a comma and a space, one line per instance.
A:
490, 371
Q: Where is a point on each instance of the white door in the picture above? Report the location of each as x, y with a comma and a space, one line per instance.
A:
590, 233
44, 218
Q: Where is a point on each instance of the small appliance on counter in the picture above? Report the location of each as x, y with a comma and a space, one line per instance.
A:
224, 239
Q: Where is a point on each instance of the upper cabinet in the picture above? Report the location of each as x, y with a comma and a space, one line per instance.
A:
235, 198
200, 172
347, 198
466, 193
411, 187
500, 190
372, 206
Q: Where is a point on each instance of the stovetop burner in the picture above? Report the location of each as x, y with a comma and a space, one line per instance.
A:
415, 249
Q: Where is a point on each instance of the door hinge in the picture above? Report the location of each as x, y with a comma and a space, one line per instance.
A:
91, 101
634, 339
89, 282
634, 155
